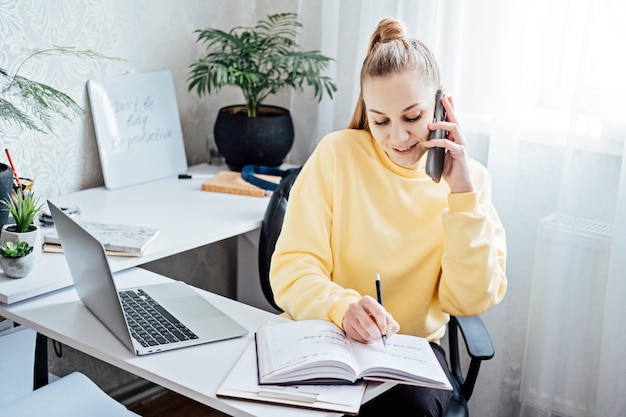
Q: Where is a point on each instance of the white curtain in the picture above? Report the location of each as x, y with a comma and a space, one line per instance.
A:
540, 86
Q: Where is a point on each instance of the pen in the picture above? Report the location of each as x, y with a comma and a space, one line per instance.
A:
194, 176
17, 178
379, 295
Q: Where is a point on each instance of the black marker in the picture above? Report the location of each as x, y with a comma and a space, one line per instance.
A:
195, 176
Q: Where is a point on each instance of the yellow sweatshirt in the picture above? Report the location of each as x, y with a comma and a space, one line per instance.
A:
353, 213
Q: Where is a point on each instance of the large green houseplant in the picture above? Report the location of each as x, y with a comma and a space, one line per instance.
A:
260, 61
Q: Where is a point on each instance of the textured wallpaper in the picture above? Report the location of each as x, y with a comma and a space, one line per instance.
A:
149, 35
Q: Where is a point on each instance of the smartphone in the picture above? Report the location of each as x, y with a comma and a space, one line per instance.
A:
434, 159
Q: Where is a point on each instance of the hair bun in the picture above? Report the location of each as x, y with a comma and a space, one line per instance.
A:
387, 30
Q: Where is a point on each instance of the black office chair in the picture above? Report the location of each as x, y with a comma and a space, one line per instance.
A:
477, 342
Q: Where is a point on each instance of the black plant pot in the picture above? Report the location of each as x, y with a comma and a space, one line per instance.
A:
262, 140
6, 187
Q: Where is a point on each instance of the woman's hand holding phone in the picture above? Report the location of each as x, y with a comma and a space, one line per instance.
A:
455, 169
436, 155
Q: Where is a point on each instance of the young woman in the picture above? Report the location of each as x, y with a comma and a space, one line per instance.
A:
363, 205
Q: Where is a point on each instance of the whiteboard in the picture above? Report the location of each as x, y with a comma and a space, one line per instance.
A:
137, 126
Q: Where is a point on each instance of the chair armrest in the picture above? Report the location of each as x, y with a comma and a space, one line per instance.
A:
478, 345
476, 337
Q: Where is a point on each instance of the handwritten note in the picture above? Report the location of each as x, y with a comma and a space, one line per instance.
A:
137, 127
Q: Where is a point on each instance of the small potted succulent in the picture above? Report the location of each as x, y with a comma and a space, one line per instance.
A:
16, 259
24, 207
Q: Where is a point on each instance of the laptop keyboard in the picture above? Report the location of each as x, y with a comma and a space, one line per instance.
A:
150, 324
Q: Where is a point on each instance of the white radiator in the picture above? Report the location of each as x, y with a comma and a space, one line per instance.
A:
565, 315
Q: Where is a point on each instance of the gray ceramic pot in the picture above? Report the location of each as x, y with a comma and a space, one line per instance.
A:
17, 267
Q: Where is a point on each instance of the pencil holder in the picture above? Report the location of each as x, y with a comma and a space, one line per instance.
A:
26, 183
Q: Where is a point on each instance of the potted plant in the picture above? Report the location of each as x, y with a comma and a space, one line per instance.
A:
24, 207
260, 61
30, 105
16, 259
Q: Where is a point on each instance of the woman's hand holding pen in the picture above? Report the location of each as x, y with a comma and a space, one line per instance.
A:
366, 320
456, 166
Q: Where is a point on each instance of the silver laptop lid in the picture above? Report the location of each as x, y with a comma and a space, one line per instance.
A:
90, 271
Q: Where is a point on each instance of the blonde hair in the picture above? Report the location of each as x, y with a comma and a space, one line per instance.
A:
391, 52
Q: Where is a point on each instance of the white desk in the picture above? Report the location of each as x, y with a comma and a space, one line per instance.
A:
194, 372
187, 217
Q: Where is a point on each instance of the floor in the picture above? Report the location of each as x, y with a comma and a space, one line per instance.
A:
171, 404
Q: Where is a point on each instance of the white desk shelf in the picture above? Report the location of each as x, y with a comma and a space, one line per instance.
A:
187, 217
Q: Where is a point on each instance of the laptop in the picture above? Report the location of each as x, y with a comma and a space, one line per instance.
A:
154, 318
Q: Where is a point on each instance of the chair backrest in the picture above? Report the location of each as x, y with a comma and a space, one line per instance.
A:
270, 229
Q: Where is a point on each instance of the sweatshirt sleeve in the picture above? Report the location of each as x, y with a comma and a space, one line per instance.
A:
474, 258
302, 262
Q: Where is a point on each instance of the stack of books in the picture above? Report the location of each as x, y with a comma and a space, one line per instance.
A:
117, 239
